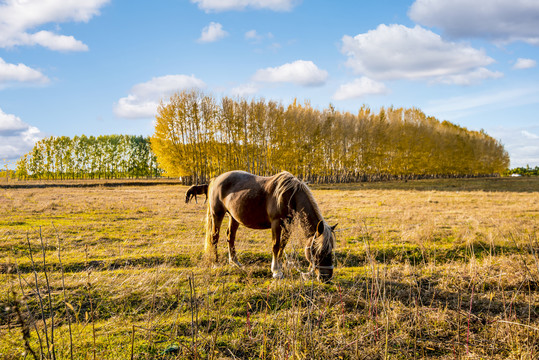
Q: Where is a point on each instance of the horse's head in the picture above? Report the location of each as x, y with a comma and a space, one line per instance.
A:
188, 196
320, 251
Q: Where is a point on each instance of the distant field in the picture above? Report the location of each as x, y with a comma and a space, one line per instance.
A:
440, 269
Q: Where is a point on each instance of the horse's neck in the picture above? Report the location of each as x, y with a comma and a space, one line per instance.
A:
310, 215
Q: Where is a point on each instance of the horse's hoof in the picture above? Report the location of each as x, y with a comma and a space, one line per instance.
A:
306, 276
278, 275
235, 263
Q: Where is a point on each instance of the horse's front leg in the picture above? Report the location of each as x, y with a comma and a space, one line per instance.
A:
196, 202
231, 237
280, 238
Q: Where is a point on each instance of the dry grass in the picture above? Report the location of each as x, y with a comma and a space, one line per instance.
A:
441, 269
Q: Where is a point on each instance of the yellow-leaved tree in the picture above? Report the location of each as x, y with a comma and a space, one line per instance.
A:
198, 138
168, 140
183, 135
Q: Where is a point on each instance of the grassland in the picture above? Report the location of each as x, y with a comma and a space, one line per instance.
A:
438, 269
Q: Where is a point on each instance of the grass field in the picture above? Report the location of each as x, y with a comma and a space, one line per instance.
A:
441, 269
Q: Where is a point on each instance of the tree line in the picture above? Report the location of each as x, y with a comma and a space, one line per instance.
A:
198, 137
89, 157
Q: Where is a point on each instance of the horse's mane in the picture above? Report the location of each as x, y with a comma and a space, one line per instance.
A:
285, 182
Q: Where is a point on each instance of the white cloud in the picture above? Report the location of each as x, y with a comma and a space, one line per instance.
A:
16, 137
144, 98
529, 135
472, 77
275, 46
255, 37
300, 72
358, 88
252, 35
18, 17
212, 32
56, 42
399, 52
521, 144
524, 64
20, 73
227, 5
244, 90
470, 104
500, 20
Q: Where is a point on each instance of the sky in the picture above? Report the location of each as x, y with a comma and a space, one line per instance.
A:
100, 67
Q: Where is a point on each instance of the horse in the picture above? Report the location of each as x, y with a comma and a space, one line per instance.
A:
259, 202
195, 190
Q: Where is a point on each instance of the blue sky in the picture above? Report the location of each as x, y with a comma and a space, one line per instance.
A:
95, 67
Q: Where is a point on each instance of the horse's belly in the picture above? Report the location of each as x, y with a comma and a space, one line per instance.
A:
252, 219
251, 214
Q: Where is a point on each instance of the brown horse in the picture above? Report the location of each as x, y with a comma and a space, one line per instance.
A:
269, 202
195, 190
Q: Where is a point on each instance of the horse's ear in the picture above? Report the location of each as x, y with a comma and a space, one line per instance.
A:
333, 227
320, 228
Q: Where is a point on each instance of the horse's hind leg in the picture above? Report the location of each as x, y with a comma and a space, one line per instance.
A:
214, 228
231, 237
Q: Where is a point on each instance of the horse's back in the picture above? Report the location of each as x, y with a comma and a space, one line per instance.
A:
243, 195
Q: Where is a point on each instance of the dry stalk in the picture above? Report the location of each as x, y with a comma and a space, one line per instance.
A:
133, 343
522, 257
469, 316
49, 296
194, 314
24, 326
519, 324
217, 324
64, 294
534, 248
32, 319
88, 289
25, 329
39, 296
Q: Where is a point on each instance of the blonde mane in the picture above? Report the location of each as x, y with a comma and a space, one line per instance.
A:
285, 182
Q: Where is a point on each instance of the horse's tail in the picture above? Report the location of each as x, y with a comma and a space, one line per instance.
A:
209, 230
209, 225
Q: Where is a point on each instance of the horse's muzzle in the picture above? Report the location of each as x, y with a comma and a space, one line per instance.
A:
325, 275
